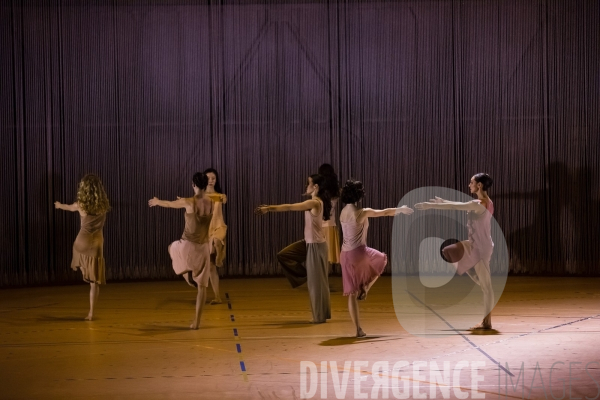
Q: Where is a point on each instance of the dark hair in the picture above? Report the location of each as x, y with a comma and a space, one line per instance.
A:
352, 191
331, 185
200, 180
217, 182
484, 179
318, 179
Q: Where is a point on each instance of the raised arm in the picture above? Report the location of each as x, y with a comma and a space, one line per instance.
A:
181, 202
67, 207
451, 205
304, 206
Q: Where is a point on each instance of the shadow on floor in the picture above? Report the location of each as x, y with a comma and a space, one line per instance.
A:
343, 341
155, 330
167, 302
484, 332
66, 318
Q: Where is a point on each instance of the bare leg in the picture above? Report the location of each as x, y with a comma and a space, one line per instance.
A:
367, 288
353, 309
484, 280
214, 283
473, 275
200, 299
94, 292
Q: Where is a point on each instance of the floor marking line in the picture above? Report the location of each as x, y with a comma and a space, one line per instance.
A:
462, 335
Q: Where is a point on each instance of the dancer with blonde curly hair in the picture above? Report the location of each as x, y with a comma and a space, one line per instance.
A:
88, 249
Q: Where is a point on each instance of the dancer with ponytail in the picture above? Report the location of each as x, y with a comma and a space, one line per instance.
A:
312, 250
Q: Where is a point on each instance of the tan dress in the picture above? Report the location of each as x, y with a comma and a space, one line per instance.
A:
192, 252
332, 236
217, 232
88, 249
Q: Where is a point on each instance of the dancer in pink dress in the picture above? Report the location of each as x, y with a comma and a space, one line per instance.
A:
473, 255
191, 254
361, 265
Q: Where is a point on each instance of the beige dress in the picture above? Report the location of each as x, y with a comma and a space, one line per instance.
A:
217, 232
88, 249
192, 252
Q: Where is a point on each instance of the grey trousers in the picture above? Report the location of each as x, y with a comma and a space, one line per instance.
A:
307, 263
292, 260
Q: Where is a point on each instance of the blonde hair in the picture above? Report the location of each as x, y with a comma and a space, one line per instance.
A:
91, 195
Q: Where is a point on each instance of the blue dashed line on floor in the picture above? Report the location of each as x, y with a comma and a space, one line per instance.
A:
237, 345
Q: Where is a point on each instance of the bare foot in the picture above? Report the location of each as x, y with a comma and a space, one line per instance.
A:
90, 317
194, 326
362, 295
216, 301
190, 279
360, 333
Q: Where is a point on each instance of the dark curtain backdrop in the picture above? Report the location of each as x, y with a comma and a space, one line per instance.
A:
399, 94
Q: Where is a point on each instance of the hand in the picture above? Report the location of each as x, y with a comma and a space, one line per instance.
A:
404, 210
153, 202
224, 198
437, 200
178, 198
261, 210
422, 206
57, 204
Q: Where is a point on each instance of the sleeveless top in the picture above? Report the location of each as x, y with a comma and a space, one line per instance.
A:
313, 226
196, 227
479, 227
355, 233
331, 221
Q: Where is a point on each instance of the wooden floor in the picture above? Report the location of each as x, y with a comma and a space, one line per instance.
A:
139, 347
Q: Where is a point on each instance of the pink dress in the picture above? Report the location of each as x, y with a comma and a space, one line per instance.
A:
479, 246
360, 264
192, 252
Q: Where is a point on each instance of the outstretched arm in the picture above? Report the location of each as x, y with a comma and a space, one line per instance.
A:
67, 207
388, 212
181, 202
304, 206
451, 205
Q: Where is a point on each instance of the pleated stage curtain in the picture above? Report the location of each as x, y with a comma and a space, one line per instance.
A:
398, 94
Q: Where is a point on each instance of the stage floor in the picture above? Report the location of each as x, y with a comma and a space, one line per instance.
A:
140, 347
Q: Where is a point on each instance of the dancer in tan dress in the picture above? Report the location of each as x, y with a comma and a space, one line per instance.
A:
88, 249
217, 233
191, 254
330, 229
